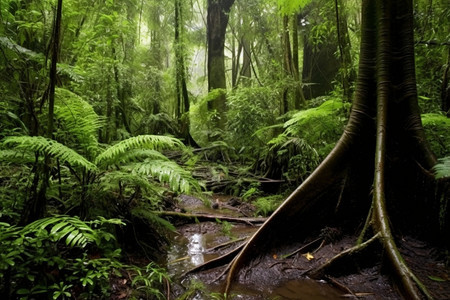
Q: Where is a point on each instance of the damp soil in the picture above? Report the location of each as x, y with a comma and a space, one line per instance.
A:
275, 276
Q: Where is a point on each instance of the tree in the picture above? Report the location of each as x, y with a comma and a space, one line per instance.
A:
389, 167
217, 21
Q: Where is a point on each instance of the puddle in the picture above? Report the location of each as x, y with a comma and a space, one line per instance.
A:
190, 248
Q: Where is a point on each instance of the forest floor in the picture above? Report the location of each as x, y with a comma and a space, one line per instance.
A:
279, 275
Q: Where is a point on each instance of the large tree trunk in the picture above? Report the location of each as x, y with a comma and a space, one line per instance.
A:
385, 107
217, 22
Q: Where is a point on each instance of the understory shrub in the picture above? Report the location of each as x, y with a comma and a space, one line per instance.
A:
64, 257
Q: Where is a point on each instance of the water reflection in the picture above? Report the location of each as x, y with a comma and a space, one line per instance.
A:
196, 247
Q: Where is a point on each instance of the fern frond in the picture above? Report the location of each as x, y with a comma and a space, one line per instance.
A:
49, 147
111, 180
316, 115
442, 169
169, 172
151, 218
71, 230
152, 142
11, 156
136, 155
78, 120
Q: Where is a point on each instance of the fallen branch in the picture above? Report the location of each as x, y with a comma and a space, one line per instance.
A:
208, 217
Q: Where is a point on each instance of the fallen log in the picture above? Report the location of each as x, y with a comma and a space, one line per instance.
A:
209, 217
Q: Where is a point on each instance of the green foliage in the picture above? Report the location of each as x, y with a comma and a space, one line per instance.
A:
442, 169
171, 173
248, 109
78, 124
153, 142
49, 147
266, 205
287, 7
437, 127
44, 257
308, 137
144, 280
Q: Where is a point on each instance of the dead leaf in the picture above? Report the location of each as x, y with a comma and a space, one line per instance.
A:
308, 256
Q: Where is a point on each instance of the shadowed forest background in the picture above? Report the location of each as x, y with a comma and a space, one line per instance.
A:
112, 111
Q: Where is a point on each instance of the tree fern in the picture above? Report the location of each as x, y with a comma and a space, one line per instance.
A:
50, 147
169, 172
153, 142
442, 169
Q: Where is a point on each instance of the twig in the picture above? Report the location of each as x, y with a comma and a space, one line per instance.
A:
301, 248
341, 286
226, 244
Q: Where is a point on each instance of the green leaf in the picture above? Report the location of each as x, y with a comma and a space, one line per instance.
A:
50, 147
435, 278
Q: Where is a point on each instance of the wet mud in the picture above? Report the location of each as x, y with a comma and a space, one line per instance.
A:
273, 276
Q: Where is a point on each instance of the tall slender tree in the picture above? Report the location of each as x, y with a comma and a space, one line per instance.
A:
217, 21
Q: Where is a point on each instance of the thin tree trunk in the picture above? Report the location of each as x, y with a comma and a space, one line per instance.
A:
217, 21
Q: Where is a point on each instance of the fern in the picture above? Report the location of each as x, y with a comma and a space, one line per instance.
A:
49, 147
11, 156
71, 230
151, 218
442, 169
153, 142
137, 155
111, 180
78, 120
169, 172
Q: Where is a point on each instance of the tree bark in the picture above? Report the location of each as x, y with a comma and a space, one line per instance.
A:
217, 21
385, 107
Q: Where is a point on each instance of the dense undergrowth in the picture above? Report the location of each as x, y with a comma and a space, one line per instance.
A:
116, 188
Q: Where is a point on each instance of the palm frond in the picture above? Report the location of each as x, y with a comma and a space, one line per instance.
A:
169, 172
49, 147
152, 142
442, 169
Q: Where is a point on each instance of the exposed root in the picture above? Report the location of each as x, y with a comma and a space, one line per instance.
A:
320, 271
231, 242
219, 261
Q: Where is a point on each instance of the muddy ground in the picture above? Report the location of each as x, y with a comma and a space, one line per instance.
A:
274, 276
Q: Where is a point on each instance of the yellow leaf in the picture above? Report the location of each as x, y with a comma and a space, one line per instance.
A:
308, 256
